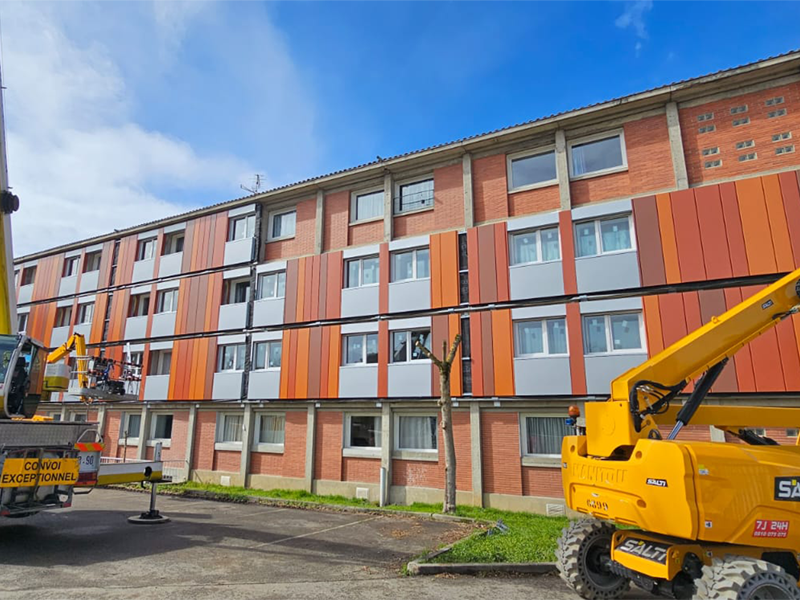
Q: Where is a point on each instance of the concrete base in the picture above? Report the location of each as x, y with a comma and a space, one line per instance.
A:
275, 482
216, 477
345, 488
409, 495
531, 504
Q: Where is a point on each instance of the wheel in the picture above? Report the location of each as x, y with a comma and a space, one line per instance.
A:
583, 556
744, 578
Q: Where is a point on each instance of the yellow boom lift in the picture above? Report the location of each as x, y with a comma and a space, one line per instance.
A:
699, 519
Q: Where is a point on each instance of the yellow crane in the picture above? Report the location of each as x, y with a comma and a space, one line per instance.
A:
699, 519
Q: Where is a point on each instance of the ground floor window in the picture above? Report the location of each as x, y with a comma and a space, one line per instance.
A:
271, 428
363, 431
543, 435
416, 432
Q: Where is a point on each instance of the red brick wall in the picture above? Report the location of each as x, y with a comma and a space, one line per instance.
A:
760, 130
302, 244
501, 454
361, 469
542, 481
205, 428
448, 206
292, 463
418, 473
180, 429
111, 433
228, 461
690, 433
337, 217
366, 233
328, 446
534, 201
489, 188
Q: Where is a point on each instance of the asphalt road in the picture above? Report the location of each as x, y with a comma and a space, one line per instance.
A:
232, 551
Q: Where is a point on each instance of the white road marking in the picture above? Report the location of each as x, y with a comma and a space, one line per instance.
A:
302, 535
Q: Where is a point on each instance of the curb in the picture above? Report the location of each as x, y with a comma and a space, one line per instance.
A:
417, 568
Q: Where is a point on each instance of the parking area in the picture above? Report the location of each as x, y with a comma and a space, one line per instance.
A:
232, 551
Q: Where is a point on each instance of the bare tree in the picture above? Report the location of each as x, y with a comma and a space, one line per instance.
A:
446, 406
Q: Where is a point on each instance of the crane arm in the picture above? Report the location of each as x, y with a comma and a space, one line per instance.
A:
78, 343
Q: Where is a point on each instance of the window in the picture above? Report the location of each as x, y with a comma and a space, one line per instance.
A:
236, 291
597, 156
92, 262
466, 357
173, 243
540, 245
742, 121
240, 228
360, 272
603, 236
160, 361
230, 357
745, 144
784, 150
411, 264
711, 151
779, 137
774, 101
161, 428
85, 313
792, 432
367, 206
63, 316
736, 110
712, 164
22, 322
70, 267
136, 358
360, 349
78, 418
282, 225
416, 433
543, 435
139, 305
747, 157
707, 129
271, 285
776, 113
463, 269
705, 117
363, 431
536, 338
131, 425
532, 170
230, 428
28, 275
403, 340
146, 249
414, 196
271, 429
267, 355
57, 417
167, 301
612, 333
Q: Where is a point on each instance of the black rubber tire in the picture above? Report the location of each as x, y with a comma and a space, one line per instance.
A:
579, 548
745, 578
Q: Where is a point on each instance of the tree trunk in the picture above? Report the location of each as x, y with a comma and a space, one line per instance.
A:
446, 404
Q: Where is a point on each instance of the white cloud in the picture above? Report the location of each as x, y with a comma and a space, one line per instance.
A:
633, 16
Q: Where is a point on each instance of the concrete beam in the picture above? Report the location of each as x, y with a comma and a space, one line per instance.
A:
562, 170
676, 147
388, 205
319, 222
190, 431
247, 443
475, 453
469, 208
386, 447
101, 420
311, 429
144, 433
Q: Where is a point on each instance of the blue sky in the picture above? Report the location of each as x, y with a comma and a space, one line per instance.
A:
148, 109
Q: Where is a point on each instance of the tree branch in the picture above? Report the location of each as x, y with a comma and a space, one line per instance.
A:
429, 354
453, 349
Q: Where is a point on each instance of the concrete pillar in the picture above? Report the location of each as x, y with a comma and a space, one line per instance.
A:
144, 433
469, 207
247, 443
319, 222
101, 420
388, 206
387, 443
676, 147
190, 439
562, 170
311, 428
63, 411
475, 453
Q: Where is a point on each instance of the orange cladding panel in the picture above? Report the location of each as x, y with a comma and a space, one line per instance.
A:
755, 225
669, 245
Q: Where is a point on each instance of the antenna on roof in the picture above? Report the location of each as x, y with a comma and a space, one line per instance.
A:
257, 183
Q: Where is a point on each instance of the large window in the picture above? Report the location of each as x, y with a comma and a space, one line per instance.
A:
167, 301
146, 249
85, 313
414, 196
361, 271
92, 261
28, 275
532, 170
161, 429
230, 428
367, 206
236, 291
538, 245
63, 316
139, 305
131, 425
160, 361
619, 332
267, 355
541, 337
22, 322
240, 228
404, 345
271, 285
603, 236
230, 357
360, 349
173, 243
411, 264
414, 432
363, 431
271, 429
70, 267
282, 224
597, 156
543, 435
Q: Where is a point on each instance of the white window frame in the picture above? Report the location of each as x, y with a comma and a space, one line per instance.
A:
219, 443
141, 245
414, 276
152, 440
536, 460
88, 267
264, 275
25, 270
80, 319
366, 451
360, 260
229, 290
60, 311
74, 264
240, 347
354, 220
249, 218
169, 243
609, 336
510, 158
409, 348
123, 425
269, 447
22, 321
280, 213
396, 200
160, 295
598, 236
137, 299
363, 363
596, 138
266, 358
545, 338
158, 354
539, 254
414, 453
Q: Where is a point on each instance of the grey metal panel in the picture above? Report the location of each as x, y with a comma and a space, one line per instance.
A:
156, 387
84, 329
163, 324
531, 221
59, 336
227, 386
268, 311
544, 375
135, 327
232, 316
612, 305
539, 312
412, 379
170, 264
360, 301
25, 293
264, 384
143, 270
359, 381
410, 295
89, 281
601, 370
608, 272
537, 280
67, 285
238, 251
600, 209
